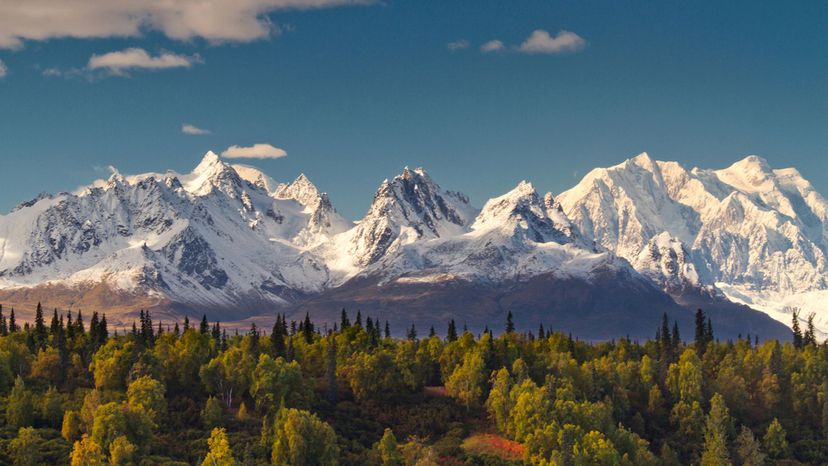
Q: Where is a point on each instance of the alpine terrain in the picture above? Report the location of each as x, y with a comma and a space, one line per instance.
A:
604, 259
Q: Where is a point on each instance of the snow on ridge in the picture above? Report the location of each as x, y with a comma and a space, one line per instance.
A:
224, 233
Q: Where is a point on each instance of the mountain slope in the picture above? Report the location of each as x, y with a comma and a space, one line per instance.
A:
758, 233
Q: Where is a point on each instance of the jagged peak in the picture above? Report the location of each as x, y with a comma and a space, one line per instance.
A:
301, 189
210, 162
523, 195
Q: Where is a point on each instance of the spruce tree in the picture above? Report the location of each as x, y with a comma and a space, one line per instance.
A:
12, 323
676, 338
79, 328
4, 329
510, 324
204, 328
344, 321
412, 332
358, 322
186, 323
810, 333
70, 326
103, 332
451, 335
277, 338
700, 340
541, 332
41, 335
308, 329
387, 330
797, 333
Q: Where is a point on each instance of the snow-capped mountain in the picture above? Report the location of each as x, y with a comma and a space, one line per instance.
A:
231, 241
206, 239
759, 234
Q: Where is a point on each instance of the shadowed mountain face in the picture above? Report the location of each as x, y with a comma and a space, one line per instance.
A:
233, 243
611, 305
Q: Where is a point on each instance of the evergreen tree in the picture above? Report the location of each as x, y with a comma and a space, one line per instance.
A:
451, 335
510, 324
358, 322
12, 323
70, 326
344, 321
676, 338
103, 332
708, 333
186, 323
94, 328
412, 333
4, 329
701, 333
797, 333
79, 328
810, 333
431, 332
204, 328
41, 335
387, 330
308, 329
277, 338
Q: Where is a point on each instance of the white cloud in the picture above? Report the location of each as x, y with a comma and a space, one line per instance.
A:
3, 70
256, 151
540, 42
51, 72
492, 46
458, 45
187, 128
212, 20
137, 58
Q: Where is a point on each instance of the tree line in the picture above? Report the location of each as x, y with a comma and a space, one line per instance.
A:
305, 394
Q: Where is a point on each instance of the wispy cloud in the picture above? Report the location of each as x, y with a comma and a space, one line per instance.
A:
211, 20
256, 151
458, 45
137, 58
4, 70
193, 130
540, 42
492, 46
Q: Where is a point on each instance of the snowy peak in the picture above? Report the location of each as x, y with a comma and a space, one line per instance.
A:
408, 208
520, 213
301, 190
256, 177
213, 174
750, 175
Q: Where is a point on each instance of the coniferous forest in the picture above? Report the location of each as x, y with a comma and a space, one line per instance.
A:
75, 392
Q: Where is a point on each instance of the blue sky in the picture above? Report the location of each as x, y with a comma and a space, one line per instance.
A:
353, 93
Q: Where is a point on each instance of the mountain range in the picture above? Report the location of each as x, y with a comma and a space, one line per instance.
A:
604, 259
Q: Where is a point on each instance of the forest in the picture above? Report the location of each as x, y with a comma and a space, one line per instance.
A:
160, 393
